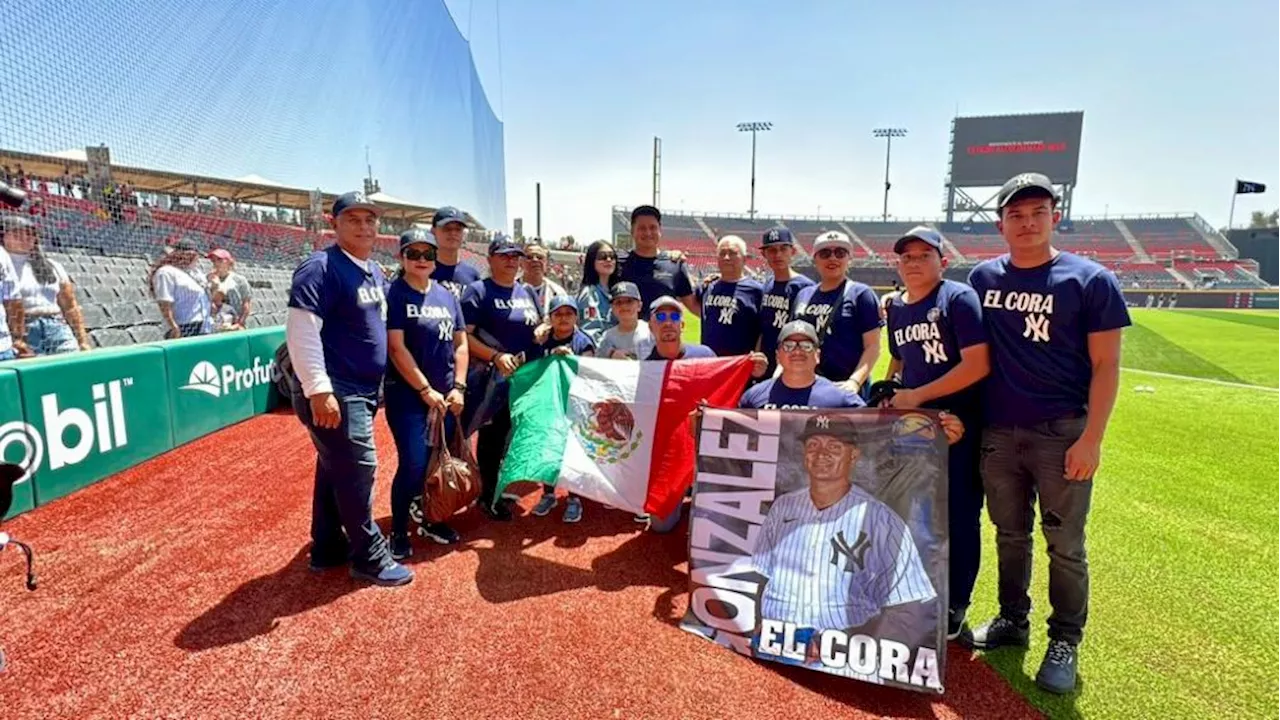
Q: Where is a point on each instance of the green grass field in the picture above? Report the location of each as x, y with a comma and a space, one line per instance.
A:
1183, 531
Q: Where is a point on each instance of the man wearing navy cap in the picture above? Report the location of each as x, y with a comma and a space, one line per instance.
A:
1054, 322
337, 338
655, 272
779, 250
798, 385
939, 350
449, 225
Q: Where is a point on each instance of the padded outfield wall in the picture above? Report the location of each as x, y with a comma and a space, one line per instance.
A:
291, 91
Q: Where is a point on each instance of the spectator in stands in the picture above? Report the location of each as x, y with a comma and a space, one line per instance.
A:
731, 305
779, 250
337, 338
798, 385
427, 342
501, 319
657, 273
599, 275
13, 323
53, 321
1054, 322
939, 349
184, 304
449, 225
144, 218
229, 291
565, 339
845, 312
630, 339
534, 276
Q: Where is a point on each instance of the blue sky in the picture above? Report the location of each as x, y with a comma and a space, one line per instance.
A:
1179, 99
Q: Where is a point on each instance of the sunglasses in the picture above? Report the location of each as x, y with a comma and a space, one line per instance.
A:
793, 345
606, 256
428, 253
837, 253
667, 316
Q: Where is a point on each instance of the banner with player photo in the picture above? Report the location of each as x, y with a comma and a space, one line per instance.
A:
819, 538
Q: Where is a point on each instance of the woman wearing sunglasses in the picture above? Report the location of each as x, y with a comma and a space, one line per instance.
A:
599, 274
427, 345
845, 313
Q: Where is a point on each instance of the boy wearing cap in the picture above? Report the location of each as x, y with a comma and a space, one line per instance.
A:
731, 304
1054, 320
845, 313
655, 272
449, 226
779, 249
337, 337
939, 350
564, 339
630, 339
798, 386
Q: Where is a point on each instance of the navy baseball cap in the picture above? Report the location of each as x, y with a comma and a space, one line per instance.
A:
1024, 186
503, 245
924, 234
836, 426
777, 236
185, 244
798, 327
562, 301
448, 214
417, 235
624, 290
354, 201
12, 221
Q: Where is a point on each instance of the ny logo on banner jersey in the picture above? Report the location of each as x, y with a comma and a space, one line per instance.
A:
853, 555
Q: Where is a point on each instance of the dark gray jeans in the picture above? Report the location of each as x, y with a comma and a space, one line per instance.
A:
1018, 464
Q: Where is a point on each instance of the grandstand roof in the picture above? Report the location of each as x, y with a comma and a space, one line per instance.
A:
248, 189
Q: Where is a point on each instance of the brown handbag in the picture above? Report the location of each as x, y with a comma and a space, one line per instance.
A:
453, 478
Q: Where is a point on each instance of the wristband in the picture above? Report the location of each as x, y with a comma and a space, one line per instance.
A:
423, 389
460, 386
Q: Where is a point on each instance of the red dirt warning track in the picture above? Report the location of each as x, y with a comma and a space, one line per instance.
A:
180, 589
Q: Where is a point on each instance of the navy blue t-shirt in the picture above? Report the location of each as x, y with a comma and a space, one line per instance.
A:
655, 277
928, 335
455, 278
731, 316
841, 316
688, 351
429, 321
1038, 321
579, 342
776, 311
351, 302
773, 395
506, 315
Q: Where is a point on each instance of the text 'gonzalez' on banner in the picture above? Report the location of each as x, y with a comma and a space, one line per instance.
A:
819, 539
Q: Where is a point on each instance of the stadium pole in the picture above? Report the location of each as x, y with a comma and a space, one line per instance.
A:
888, 134
753, 128
537, 218
1231, 217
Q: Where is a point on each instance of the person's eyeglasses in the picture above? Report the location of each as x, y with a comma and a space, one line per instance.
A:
667, 316
793, 345
606, 256
837, 253
427, 253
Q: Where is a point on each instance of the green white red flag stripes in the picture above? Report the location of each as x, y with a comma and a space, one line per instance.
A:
614, 431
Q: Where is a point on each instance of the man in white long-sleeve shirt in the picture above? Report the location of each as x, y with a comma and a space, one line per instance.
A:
337, 337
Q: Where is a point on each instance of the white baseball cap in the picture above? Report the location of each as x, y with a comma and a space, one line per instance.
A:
832, 239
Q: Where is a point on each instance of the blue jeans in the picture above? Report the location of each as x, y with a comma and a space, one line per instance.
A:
346, 463
8, 354
407, 416
50, 335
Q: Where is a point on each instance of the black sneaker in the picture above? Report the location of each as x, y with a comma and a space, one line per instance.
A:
1001, 632
440, 533
499, 512
401, 548
957, 628
1058, 669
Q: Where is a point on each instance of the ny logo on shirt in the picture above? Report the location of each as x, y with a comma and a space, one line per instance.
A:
445, 329
779, 319
935, 353
726, 315
1036, 327
853, 555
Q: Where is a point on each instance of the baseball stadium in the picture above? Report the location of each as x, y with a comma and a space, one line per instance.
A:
154, 551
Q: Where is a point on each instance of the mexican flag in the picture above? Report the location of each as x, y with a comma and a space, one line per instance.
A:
615, 431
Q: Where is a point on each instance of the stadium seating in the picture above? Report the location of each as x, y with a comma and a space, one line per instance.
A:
1170, 237
1099, 239
1145, 275
975, 241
